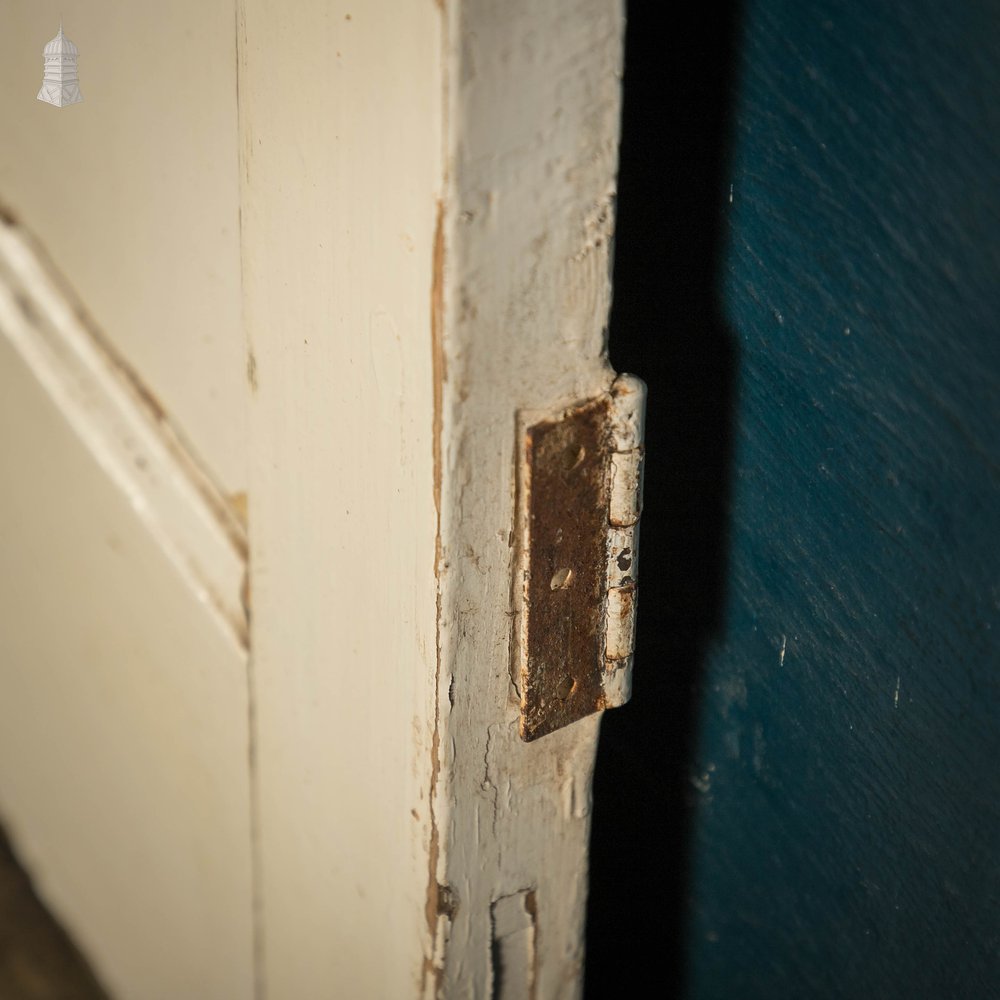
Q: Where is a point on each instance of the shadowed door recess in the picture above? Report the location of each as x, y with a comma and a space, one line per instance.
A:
805, 784
37, 960
667, 326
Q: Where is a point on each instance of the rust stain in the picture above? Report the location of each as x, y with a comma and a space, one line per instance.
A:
568, 464
626, 602
437, 899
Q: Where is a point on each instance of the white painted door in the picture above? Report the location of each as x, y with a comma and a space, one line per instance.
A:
277, 301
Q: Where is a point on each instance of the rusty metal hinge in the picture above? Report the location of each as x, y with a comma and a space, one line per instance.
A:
580, 497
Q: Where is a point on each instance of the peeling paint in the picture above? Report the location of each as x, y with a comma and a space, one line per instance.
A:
433, 967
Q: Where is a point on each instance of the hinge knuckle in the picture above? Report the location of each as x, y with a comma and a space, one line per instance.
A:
628, 412
626, 487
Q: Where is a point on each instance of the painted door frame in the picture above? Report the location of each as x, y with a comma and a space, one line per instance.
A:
426, 197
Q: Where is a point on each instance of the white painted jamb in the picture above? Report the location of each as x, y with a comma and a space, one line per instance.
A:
533, 105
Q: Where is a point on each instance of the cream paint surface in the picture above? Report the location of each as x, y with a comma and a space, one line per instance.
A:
374, 689
340, 112
123, 722
135, 193
131, 440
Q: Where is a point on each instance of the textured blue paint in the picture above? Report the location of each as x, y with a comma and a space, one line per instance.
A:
846, 838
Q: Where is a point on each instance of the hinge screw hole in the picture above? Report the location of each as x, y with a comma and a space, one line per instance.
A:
566, 687
561, 579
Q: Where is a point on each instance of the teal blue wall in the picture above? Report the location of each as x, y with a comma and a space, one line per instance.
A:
808, 781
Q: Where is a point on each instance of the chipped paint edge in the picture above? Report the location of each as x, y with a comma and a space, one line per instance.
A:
526, 299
